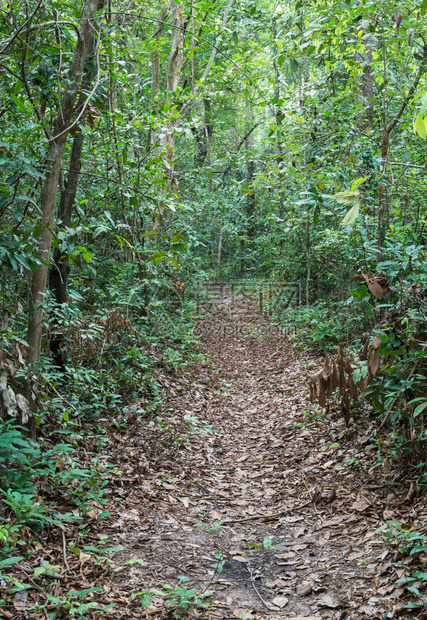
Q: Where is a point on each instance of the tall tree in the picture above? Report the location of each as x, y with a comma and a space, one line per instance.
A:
62, 125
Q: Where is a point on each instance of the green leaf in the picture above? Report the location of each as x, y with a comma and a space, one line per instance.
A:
10, 561
423, 104
419, 126
351, 215
423, 7
268, 543
145, 600
358, 182
347, 197
19, 104
83, 593
420, 409
418, 549
39, 571
133, 561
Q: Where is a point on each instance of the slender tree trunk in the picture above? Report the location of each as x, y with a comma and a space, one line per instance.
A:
308, 263
173, 74
203, 145
61, 261
250, 173
60, 270
155, 76
367, 84
49, 189
280, 150
385, 147
219, 248
187, 107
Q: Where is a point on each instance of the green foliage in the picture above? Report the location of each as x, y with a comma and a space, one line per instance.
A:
322, 326
214, 529
409, 544
268, 544
179, 597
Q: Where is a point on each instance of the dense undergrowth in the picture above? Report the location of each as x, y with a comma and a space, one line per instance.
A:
109, 381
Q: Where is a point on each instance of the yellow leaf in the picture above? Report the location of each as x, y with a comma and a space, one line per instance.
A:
351, 215
420, 127
347, 197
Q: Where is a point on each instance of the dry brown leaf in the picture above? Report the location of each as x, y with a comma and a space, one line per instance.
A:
280, 601
373, 285
298, 531
304, 589
332, 601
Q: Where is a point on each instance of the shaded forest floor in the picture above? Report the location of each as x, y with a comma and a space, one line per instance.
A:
249, 491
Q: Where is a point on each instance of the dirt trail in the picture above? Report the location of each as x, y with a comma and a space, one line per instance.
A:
299, 533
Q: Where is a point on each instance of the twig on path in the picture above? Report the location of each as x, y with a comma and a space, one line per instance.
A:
64, 550
255, 517
266, 518
266, 605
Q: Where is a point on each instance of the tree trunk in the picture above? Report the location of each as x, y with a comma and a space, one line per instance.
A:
202, 136
155, 76
60, 270
308, 263
367, 84
173, 74
219, 249
385, 147
250, 173
280, 150
55, 153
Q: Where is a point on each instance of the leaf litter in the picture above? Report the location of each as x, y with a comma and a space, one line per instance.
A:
246, 491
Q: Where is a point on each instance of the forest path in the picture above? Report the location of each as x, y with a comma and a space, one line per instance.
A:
299, 533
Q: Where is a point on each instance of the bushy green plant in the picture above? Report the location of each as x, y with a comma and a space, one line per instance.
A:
181, 598
323, 325
410, 544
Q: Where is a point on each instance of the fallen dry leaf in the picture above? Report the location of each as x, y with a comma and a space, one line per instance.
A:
280, 601
333, 601
304, 589
20, 599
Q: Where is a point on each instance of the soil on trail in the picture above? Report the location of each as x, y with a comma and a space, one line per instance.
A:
278, 495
